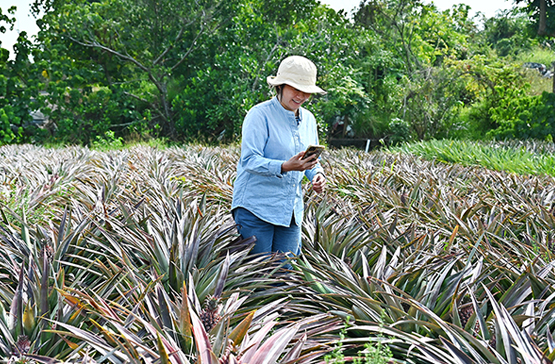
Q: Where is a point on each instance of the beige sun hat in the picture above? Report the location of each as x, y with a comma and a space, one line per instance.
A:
298, 72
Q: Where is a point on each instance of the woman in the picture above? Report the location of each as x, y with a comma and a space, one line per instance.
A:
267, 195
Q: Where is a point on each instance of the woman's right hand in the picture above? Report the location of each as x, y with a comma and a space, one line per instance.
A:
296, 163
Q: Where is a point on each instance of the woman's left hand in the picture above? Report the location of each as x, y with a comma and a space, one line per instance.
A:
318, 183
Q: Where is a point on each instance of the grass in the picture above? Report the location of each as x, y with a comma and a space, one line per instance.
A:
530, 158
538, 83
538, 55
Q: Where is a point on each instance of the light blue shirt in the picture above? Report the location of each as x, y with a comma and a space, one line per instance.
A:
271, 137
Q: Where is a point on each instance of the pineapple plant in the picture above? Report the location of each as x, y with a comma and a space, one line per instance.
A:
210, 314
392, 245
465, 313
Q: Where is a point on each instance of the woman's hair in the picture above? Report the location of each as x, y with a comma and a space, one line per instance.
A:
279, 91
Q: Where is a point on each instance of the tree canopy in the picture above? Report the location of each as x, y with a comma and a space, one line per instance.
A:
394, 70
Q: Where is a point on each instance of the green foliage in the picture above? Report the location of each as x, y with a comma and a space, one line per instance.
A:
18, 89
215, 99
538, 54
398, 131
87, 114
348, 100
519, 116
538, 83
509, 33
108, 142
420, 35
336, 356
7, 136
375, 354
191, 70
487, 84
533, 158
8, 19
154, 44
432, 96
534, 10
404, 63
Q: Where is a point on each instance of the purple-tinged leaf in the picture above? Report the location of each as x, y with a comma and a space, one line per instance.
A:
16, 309
509, 330
222, 277
550, 342
202, 342
100, 345
61, 230
458, 355
295, 352
254, 342
193, 299
479, 317
273, 348
44, 307
163, 305
42, 359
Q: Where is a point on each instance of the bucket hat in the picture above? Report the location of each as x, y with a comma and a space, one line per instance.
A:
298, 72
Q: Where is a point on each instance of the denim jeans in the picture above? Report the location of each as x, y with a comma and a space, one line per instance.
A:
269, 238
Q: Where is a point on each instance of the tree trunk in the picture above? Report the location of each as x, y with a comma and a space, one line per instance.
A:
543, 18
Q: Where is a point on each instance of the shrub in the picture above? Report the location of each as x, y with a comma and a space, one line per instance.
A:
524, 117
7, 136
399, 131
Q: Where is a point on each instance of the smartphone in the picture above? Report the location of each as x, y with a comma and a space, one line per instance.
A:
313, 150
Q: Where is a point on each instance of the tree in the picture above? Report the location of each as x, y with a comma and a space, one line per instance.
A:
18, 88
406, 51
214, 102
141, 44
509, 32
195, 66
542, 12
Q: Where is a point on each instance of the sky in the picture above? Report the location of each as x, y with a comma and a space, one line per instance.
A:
488, 7
26, 22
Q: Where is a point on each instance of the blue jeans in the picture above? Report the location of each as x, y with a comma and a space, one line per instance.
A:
269, 238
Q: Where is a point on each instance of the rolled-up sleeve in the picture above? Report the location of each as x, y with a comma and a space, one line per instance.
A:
310, 173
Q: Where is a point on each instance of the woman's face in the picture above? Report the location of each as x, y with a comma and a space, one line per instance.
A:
292, 99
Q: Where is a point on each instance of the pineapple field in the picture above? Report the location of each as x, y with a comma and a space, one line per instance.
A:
131, 256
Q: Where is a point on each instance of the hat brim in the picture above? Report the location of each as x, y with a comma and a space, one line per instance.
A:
311, 89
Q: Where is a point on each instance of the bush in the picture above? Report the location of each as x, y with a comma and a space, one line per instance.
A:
432, 97
399, 131
84, 115
525, 117
490, 85
6, 134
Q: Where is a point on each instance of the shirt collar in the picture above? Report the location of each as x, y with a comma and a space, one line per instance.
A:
278, 104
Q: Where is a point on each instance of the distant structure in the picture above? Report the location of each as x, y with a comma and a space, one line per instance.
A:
542, 69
